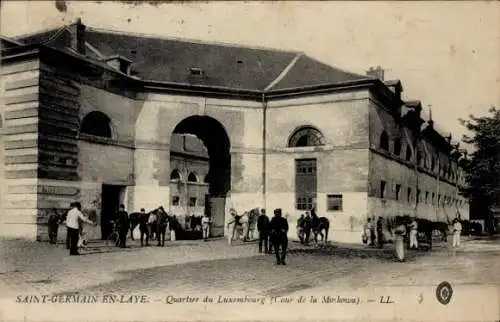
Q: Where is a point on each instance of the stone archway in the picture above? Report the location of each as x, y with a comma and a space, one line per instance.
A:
207, 195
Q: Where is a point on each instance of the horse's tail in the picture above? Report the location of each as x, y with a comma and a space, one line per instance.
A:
327, 228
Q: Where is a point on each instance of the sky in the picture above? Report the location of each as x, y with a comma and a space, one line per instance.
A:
446, 54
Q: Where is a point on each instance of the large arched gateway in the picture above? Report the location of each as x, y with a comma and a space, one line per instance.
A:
200, 147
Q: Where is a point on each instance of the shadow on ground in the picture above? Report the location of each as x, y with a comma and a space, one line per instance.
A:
258, 274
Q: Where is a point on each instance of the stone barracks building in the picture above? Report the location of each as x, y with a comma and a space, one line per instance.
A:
93, 115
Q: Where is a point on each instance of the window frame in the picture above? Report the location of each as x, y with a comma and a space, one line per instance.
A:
334, 198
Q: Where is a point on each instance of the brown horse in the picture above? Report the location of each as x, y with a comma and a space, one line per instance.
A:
318, 225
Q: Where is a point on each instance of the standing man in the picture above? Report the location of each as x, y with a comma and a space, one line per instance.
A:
307, 227
400, 232
413, 233
234, 224
263, 228
380, 232
457, 230
205, 225
300, 228
123, 225
73, 227
279, 229
53, 226
367, 230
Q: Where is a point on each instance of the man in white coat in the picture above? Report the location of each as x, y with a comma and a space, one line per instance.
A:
457, 230
205, 225
413, 233
72, 225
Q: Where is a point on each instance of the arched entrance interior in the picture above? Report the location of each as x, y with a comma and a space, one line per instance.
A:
194, 188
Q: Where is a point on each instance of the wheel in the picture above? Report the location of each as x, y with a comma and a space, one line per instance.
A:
444, 292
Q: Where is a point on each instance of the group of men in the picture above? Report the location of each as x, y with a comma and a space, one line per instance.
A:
375, 232
304, 224
74, 219
273, 234
369, 235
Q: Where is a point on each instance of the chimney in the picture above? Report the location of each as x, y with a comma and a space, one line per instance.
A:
431, 121
77, 31
376, 72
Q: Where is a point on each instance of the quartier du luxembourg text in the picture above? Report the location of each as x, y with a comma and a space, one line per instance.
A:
171, 299
337, 299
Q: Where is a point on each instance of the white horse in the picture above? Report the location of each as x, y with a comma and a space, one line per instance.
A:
238, 230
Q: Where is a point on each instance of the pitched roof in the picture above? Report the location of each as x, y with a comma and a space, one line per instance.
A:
230, 66
39, 37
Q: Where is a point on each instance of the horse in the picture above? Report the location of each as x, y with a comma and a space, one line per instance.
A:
318, 224
248, 222
159, 226
245, 226
134, 220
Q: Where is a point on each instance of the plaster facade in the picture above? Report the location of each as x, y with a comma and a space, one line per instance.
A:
249, 162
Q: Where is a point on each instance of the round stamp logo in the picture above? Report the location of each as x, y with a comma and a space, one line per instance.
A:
444, 291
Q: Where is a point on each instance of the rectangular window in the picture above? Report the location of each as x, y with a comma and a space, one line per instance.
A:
305, 183
304, 203
398, 191
418, 196
382, 189
433, 198
427, 197
176, 200
439, 200
408, 195
334, 202
192, 202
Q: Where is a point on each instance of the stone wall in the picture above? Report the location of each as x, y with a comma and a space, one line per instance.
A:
19, 91
342, 163
400, 174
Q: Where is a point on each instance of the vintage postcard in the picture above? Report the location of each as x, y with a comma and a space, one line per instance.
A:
249, 161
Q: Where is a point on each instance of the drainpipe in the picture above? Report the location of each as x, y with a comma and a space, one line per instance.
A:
437, 188
264, 134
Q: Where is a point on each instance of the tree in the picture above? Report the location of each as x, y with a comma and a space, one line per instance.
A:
483, 168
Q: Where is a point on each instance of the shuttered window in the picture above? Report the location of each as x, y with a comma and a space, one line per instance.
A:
334, 202
305, 183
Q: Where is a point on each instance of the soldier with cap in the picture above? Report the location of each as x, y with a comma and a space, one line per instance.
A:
279, 229
122, 226
263, 228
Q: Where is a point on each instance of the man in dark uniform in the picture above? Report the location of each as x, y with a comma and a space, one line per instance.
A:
263, 228
53, 226
279, 229
380, 232
300, 228
123, 225
307, 227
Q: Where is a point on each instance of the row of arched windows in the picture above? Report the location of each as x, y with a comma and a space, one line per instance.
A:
445, 170
97, 123
175, 175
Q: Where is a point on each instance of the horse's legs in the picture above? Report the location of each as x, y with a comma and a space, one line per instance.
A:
246, 231
327, 228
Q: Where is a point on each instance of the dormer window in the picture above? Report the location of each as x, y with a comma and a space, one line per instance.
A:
196, 71
119, 63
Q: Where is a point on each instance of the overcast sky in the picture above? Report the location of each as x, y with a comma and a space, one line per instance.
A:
447, 54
